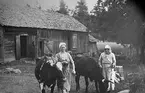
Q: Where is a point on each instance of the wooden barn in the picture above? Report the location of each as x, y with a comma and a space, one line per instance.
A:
27, 32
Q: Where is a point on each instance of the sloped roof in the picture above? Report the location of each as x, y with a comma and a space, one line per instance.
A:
92, 39
35, 18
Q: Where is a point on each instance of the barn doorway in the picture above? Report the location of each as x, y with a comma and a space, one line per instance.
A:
1, 47
41, 43
23, 45
69, 41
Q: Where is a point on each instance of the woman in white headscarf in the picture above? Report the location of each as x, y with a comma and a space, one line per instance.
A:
107, 61
65, 57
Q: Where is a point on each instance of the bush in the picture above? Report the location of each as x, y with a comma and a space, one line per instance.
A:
137, 80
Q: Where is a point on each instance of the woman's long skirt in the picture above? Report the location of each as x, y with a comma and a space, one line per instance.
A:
66, 85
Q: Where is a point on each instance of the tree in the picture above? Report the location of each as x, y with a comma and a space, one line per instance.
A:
121, 22
39, 7
99, 19
28, 5
99, 8
111, 16
81, 12
63, 8
81, 9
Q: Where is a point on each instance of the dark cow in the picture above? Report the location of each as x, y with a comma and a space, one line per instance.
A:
46, 74
89, 68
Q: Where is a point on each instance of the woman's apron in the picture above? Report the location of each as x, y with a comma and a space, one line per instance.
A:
107, 70
106, 64
67, 73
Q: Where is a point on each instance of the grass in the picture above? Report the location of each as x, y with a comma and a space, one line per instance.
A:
137, 82
26, 82
134, 77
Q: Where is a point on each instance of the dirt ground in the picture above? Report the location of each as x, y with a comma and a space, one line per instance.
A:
27, 83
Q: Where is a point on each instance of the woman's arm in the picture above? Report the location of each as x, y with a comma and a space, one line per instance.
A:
114, 59
72, 62
56, 57
100, 60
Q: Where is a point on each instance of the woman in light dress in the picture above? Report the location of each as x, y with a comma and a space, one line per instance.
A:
65, 64
107, 61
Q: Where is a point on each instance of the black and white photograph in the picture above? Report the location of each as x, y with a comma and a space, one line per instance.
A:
72, 46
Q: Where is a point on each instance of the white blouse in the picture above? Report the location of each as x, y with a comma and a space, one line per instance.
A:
64, 57
107, 58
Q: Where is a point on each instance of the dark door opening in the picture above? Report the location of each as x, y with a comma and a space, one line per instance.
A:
41, 48
23, 44
69, 41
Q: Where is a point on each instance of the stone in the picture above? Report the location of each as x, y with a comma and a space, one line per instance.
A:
12, 70
17, 71
124, 91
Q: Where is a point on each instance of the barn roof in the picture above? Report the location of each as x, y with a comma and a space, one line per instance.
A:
35, 18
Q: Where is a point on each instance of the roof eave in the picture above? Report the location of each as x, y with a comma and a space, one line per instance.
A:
70, 30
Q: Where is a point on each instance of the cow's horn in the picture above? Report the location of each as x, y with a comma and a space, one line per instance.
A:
110, 81
103, 80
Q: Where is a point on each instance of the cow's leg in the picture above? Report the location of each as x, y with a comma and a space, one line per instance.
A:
87, 84
43, 90
42, 87
64, 91
52, 87
59, 87
96, 85
77, 78
59, 90
102, 87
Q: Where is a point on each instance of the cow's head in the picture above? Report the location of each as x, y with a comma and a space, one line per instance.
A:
49, 59
65, 63
104, 85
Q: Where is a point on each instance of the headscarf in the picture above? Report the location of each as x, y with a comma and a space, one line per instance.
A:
62, 43
108, 47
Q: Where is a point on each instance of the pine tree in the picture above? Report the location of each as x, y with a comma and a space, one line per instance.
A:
63, 9
81, 12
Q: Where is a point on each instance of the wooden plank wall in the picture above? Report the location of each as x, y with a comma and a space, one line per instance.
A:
31, 46
9, 47
57, 37
82, 43
37, 46
54, 36
1, 46
18, 50
14, 34
92, 48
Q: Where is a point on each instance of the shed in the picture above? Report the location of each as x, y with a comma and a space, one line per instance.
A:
30, 32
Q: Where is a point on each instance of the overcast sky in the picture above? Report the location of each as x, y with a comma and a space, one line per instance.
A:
48, 4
